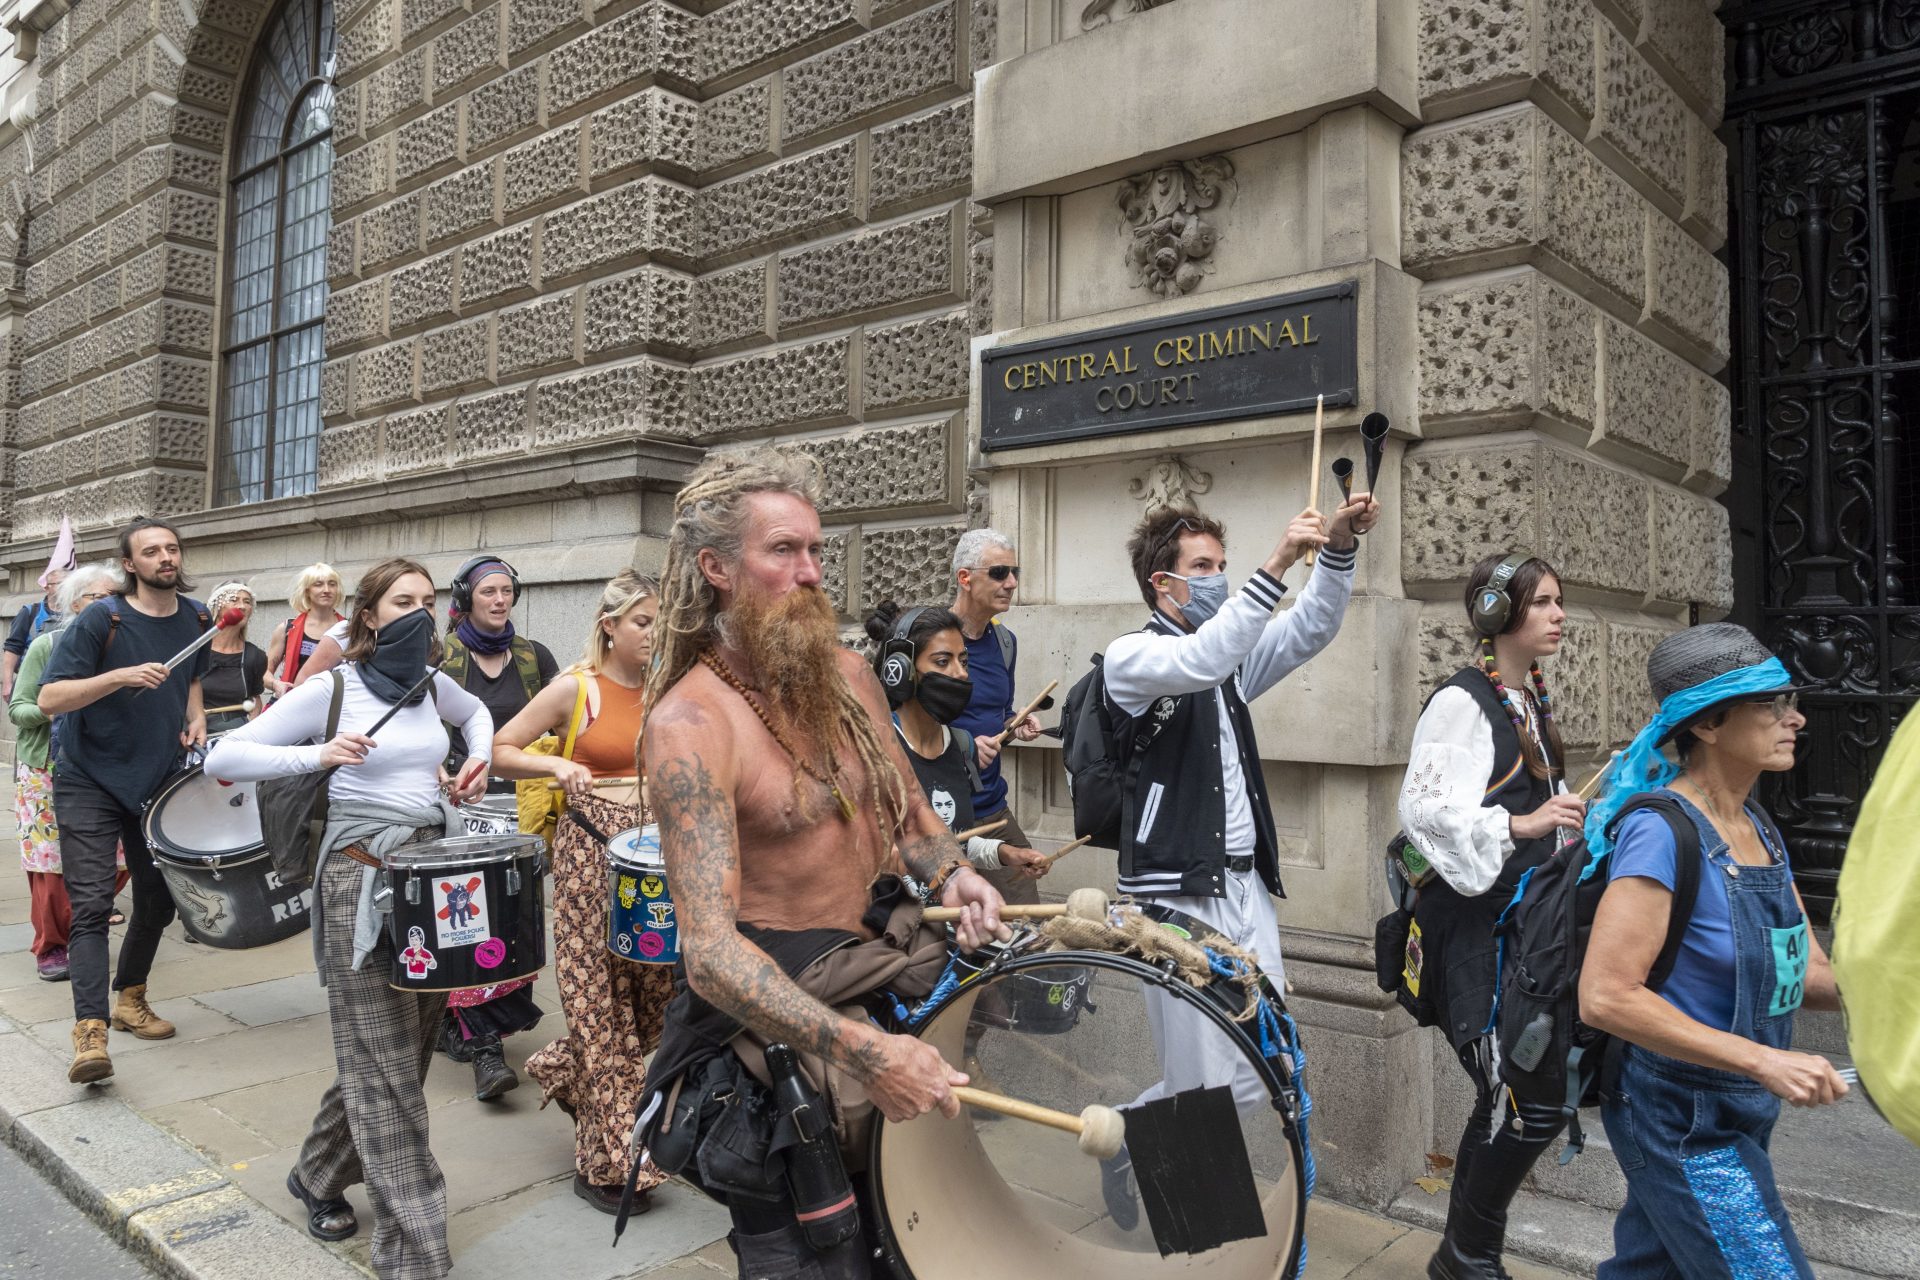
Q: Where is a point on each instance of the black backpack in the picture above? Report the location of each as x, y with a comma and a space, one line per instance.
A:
1100, 767
1547, 1054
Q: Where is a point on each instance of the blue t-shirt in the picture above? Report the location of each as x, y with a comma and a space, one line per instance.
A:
1703, 983
987, 712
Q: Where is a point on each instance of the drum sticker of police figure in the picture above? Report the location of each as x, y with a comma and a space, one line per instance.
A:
460, 911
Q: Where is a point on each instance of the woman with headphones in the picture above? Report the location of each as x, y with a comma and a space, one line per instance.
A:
922, 665
1483, 801
506, 671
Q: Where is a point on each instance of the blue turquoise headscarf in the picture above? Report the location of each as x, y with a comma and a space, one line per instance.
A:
1642, 767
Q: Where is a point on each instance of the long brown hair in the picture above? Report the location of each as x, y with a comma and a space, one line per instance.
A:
374, 584
1525, 581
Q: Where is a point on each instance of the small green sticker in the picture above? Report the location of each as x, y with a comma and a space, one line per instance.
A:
1789, 969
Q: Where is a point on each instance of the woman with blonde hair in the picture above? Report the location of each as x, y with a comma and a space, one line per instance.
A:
613, 1006
315, 602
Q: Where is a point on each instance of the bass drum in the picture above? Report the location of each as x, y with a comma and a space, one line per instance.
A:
205, 838
982, 1195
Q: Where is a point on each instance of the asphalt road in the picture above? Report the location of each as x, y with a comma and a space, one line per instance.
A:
42, 1234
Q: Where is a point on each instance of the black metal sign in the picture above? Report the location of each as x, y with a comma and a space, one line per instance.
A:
1248, 360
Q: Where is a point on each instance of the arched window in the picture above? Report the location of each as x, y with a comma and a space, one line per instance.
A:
276, 308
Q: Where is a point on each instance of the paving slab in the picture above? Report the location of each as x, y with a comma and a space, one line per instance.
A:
109, 1160
259, 1004
1341, 1239
218, 1137
32, 1078
549, 1232
191, 1022
280, 1111
226, 1235
199, 1069
15, 937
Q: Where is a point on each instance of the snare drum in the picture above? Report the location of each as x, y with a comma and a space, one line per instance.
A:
640, 919
494, 814
465, 912
205, 838
935, 1180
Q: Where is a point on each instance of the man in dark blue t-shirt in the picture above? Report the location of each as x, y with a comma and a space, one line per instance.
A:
987, 576
127, 718
32, 620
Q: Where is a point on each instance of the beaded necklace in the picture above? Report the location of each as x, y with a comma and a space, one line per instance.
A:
712, 662
1506, 697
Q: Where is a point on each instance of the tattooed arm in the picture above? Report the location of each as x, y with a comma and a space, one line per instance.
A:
691, 784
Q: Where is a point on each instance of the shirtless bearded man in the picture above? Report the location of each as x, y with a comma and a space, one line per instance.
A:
782, 796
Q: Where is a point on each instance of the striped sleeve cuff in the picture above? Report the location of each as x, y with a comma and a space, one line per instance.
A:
1265, 588
1338, 561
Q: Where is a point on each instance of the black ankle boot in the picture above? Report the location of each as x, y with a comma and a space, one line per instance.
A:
491, 1074
1450, 1263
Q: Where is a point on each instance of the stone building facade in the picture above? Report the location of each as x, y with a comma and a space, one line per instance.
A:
574, 244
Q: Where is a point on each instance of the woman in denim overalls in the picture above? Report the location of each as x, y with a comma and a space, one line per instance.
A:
1707, 1062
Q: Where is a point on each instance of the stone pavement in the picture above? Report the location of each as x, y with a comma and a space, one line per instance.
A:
184, 1154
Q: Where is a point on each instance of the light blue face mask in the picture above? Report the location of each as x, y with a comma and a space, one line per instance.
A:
1204, 596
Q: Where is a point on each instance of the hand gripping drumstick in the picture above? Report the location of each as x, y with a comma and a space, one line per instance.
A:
1082, 904
1313, 486
1102, 1130
1001, 737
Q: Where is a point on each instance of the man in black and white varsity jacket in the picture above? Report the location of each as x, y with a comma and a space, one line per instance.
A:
1196, 831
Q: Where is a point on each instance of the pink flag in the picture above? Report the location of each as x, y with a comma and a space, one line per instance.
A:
62, 557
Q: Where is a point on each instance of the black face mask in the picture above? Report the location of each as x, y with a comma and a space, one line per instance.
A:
943, 697
399, 660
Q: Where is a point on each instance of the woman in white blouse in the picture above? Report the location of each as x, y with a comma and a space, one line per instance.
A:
1483, 799
386, 792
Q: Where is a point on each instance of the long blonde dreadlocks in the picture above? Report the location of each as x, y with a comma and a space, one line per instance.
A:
710, 513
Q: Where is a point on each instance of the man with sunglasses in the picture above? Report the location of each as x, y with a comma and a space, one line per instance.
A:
1196, 830
987, 574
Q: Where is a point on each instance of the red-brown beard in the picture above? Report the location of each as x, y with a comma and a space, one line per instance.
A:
792, 644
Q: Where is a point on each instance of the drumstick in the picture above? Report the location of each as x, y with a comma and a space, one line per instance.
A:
1026, 711
1102, 1130
982, 829
248, 705
228, 618
1313, 485
1066, 849
1082, 904
1593, 784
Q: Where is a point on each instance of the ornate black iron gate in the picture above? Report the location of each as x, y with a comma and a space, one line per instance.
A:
1823, 125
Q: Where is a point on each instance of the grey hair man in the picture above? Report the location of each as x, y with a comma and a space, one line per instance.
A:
986, 572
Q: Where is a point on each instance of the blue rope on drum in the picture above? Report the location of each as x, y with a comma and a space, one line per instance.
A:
1277, 1033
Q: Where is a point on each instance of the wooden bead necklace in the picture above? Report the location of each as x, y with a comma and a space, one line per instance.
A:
712, 662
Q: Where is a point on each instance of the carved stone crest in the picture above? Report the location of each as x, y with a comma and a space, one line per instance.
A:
1169, 241
1099, 13
1170, 482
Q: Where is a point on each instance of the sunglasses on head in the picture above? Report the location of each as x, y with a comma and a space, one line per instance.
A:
1001, 572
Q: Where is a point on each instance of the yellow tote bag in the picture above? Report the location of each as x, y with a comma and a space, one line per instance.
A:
539, 803
1874, 956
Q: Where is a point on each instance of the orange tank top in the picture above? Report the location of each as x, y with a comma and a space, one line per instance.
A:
606, 745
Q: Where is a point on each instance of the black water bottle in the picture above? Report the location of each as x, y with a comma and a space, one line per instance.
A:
823, 1199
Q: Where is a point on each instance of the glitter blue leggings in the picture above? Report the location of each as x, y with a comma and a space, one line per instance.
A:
1701, 1200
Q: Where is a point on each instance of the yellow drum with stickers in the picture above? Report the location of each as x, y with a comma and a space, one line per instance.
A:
640, 920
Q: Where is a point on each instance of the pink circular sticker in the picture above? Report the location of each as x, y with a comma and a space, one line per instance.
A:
651, 944
490, 954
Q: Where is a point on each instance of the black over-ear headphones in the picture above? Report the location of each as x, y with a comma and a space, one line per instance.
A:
894, 663
463, 589
1492, 606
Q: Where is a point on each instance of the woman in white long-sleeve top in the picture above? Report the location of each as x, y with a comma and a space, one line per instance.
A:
387, 792
1483, 797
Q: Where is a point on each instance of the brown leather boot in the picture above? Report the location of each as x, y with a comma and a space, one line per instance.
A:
132, 1013
90, 1060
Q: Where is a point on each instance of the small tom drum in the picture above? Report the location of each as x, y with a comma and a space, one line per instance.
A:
465, 912
205, 838
640, 918
1138, 1033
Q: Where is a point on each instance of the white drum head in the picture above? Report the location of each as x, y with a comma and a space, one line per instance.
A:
986, 1196
197, 818
637, 848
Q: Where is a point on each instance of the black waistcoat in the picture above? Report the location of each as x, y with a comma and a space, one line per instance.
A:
1457, 930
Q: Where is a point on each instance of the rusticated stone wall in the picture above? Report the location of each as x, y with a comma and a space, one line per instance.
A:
559, 226
1562, 205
